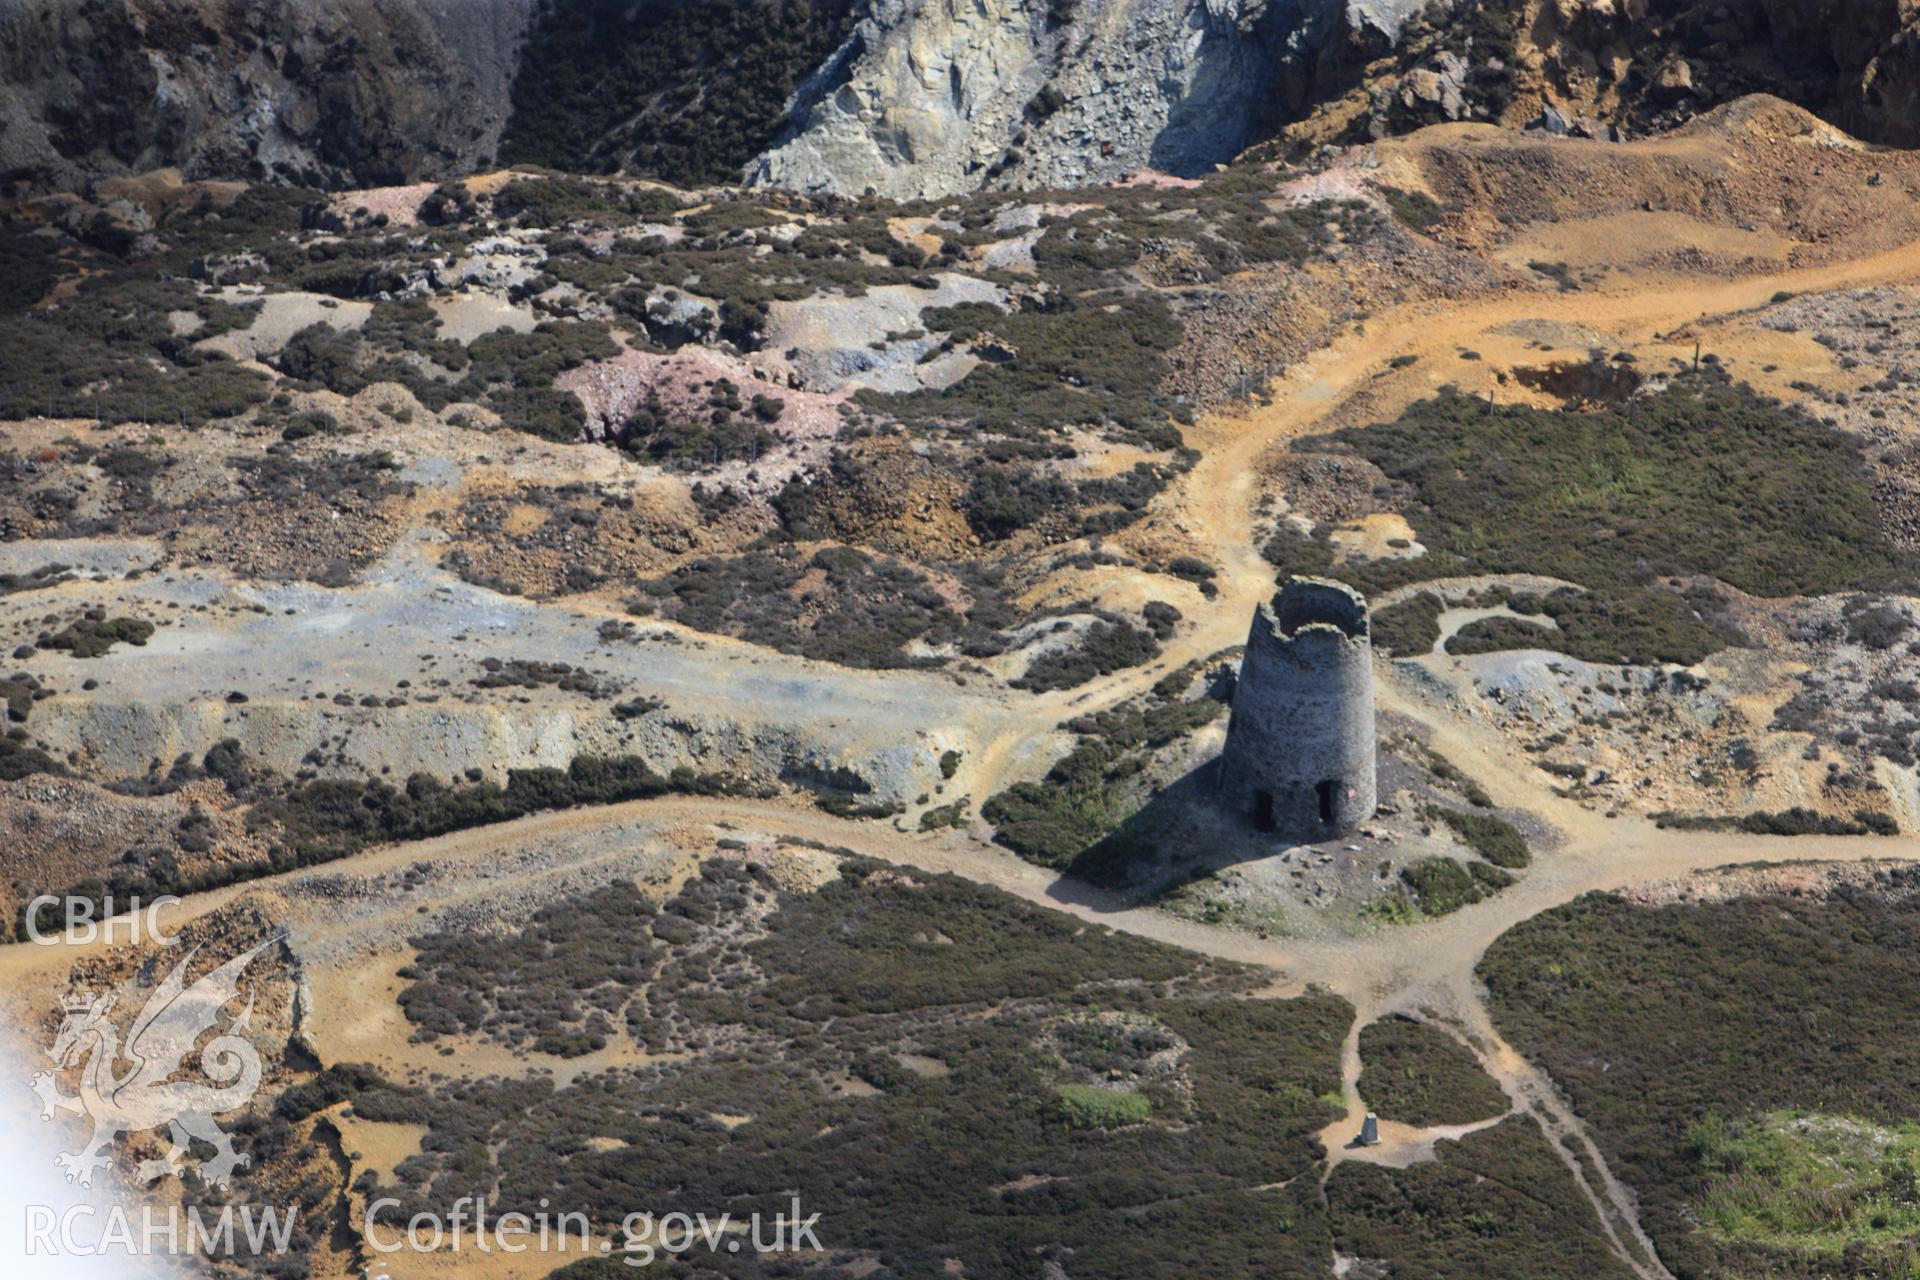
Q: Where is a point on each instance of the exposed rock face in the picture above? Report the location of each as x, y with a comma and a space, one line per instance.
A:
120, 738
933, 97
327, 91
1643, 64
926, 97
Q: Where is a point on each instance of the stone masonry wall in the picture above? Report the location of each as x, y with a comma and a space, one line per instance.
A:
1300, 755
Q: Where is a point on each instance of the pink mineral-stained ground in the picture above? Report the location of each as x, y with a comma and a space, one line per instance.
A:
400, 204
612, 389
1156, 180
1344, 179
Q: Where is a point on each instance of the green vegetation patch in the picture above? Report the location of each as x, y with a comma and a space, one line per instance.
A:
1090, 1106
1652, 1019
1817, 1184
1419, 1075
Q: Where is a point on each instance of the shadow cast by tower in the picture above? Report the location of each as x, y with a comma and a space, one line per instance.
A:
1299, 767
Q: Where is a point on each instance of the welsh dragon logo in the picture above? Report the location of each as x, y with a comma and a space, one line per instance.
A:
146, 1095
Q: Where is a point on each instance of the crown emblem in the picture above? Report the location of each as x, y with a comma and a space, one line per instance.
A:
77, 1002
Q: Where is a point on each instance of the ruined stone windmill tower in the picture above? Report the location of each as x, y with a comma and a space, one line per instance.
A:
1300, 747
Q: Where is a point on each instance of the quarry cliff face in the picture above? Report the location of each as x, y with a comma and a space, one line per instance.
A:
924, 98
935, 97
328, 92
927, 97
1637, 66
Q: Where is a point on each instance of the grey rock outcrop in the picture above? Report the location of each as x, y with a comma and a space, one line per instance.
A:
935, 97
335, 92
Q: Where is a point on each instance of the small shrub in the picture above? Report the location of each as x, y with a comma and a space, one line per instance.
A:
1493, 838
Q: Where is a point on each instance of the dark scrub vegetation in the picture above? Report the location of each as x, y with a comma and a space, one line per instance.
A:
1493, 838
1110, 644
978, 1162
1009, 490
95, 634
1005, 1109
725, 434
1496, 1203
111, 354
28, 269
1418, 1074
1736, 1012
323, 819
1441, 886
1092, 353
1410, 627
837, 605
19, 758
1417, 209
1228, 221
1067, 819
1094, 363
683, 90
1704, 478
554, 201
509, 373
46, 575
1796, 821
109, 350
1083, 354
555, 984
328, 818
